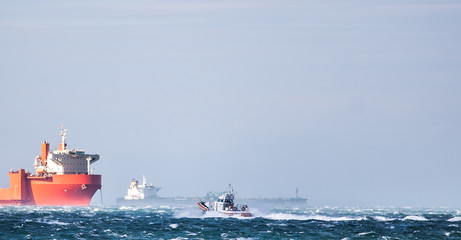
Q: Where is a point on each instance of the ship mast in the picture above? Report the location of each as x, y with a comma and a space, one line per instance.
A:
63, 145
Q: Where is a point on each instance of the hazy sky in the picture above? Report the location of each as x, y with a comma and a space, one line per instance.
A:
356, 103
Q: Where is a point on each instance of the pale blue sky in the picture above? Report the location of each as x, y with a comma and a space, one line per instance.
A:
354, 102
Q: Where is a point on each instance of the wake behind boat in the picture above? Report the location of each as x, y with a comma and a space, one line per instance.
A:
225, 205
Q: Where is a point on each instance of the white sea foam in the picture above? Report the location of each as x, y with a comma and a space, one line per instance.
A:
126, 208
118, 235
173, 225
288, 216
196, 213
187, 213
191, 233
454, 219
213, 214
383, 219
168, 207
54, 222
415, 218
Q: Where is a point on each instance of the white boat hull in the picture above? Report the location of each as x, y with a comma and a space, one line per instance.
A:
232, 212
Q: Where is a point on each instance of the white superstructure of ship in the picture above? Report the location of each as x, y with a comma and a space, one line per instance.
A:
142, 191
63, 160
225, 204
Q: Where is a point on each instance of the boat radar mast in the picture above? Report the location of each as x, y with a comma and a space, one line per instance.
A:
63, 144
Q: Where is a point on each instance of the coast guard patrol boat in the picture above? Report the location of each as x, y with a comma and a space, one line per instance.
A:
225, 205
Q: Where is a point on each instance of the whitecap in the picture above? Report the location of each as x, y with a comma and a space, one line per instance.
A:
335, 219
186, 213
173, 225
214, 214
191, 233
287, 216
365, 233
454, 219
55, 222
415, 218
383, 219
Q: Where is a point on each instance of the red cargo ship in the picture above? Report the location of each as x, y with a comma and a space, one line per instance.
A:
62, 178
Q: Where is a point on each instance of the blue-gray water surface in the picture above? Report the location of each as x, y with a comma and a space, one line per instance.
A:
97, 222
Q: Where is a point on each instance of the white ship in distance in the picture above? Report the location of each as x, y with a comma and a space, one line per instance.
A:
142, 191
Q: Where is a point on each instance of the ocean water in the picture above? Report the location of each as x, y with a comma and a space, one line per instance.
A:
101, 222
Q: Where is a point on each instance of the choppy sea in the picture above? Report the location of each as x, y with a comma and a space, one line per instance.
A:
101, 222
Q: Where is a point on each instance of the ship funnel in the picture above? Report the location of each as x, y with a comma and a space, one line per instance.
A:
45, 151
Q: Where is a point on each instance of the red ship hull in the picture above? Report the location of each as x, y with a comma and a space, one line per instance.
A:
56, 190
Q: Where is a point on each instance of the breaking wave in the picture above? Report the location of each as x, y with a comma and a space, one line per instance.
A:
285, 216
455, 219
415, 218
